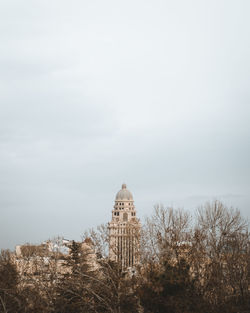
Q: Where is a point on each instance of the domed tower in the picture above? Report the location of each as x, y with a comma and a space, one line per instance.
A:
124, 230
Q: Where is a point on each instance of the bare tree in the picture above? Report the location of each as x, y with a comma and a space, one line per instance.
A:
165, 234
100, 239
220, 253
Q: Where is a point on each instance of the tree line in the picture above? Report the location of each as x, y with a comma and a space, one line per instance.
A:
188, 263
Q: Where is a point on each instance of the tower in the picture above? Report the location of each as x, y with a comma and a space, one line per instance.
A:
124, 230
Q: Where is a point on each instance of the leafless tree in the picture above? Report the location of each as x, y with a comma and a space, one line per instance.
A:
100, 239
165, 234
220, 253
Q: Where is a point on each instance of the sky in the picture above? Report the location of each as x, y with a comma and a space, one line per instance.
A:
96, 93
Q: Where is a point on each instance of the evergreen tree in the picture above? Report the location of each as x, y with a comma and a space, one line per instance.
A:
9, 301
169, 288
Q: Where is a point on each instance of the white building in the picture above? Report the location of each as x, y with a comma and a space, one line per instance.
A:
124, 230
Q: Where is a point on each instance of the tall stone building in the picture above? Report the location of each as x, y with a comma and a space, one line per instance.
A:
124, 230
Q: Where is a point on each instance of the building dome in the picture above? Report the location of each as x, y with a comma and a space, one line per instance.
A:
124, 194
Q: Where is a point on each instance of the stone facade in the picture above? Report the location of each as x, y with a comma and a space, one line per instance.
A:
124, 231
39, 263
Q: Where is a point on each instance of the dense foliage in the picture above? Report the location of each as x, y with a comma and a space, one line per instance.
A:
199, 264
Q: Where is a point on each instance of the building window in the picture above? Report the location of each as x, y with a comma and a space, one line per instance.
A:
125, 217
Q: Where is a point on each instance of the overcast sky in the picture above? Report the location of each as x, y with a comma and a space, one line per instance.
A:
95, 93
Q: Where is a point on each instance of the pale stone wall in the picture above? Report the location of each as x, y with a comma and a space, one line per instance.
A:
124, 230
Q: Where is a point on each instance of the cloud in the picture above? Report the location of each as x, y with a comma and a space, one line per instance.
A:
96, 93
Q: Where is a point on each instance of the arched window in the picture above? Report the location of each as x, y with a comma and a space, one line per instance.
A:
125, 217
